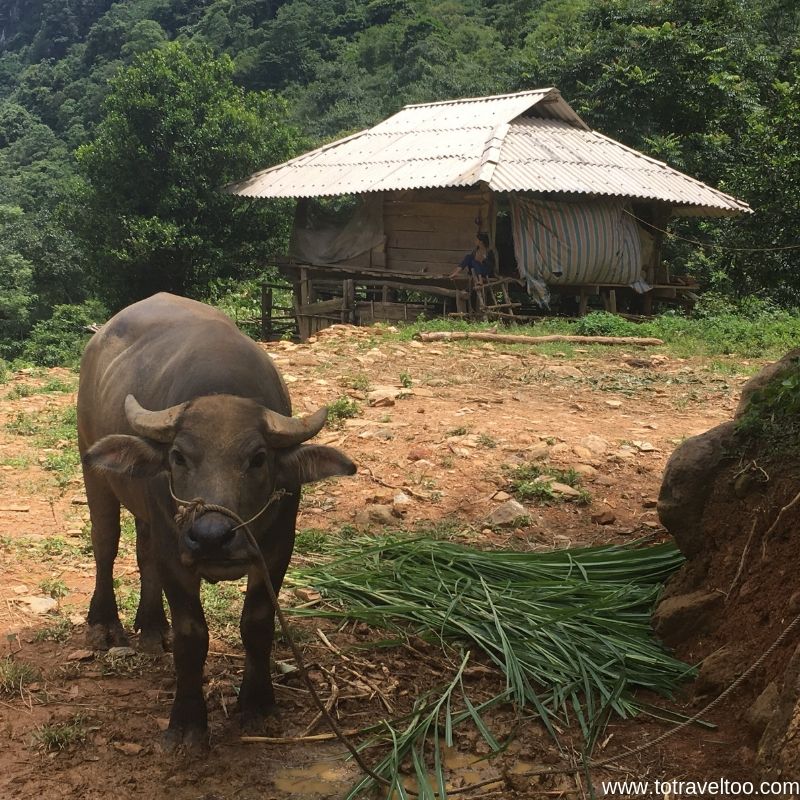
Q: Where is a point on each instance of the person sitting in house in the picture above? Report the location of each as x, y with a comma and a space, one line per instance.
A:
479, 262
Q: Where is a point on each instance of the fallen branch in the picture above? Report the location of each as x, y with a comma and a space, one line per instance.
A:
505, 338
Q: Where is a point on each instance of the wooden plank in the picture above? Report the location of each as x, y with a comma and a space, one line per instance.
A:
440, 240
322, 307
433, 269
446, 210
425, 224
439, 256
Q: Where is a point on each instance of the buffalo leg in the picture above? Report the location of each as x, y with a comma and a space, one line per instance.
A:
257, 696
105, 629
188, 722
150, 617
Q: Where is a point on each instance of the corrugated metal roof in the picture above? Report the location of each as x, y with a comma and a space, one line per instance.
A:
526, 142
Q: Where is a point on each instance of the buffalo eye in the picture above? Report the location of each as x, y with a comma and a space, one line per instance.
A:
177, 458
258, 460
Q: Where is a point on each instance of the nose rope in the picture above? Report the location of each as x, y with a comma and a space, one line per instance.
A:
189, 510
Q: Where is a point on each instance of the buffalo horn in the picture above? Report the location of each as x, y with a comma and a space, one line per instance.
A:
290, 431
157, 425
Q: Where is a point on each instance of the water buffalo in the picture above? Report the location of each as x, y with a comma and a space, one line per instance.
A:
174, 402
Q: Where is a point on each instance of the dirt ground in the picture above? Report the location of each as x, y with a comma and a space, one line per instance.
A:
437, 455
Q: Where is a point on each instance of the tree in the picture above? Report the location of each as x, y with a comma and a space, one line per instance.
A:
175, 131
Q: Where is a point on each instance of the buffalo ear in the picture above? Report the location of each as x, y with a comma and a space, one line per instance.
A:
125, 455
314, 462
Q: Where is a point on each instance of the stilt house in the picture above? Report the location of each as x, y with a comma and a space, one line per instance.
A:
567, 210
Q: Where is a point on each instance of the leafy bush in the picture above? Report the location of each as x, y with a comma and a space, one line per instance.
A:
59, 341
601, 323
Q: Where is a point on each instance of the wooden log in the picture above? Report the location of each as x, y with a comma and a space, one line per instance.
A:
502, 338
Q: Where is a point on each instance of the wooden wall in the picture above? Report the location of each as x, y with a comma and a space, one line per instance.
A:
428, 231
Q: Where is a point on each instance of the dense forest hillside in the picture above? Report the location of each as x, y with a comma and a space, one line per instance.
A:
87, 86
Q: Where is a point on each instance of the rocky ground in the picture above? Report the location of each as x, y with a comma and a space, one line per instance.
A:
439, 432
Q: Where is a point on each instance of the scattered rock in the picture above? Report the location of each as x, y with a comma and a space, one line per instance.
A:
765, 376
688, 483
596, 444
80, 655
539, 452
565, 371
605, 480
39, 605
419, 454
583, 453
649, 502
564, 490
375, 514
585, 470
677, 618
613, 403
306, 595
560, 449
718, 671
507, 513
501, 496
604, 518
128, 748
645, 447
383, 396
760, 713
79, 500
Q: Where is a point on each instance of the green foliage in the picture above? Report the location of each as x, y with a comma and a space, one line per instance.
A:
340, 409
772, 414
54, 587
569, 631
61, 735
602, 323
59, 341
535, 482
175, 131
15, 675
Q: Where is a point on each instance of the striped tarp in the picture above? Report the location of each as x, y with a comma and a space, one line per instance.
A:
590, 242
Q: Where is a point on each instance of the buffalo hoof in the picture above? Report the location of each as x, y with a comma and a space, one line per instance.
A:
268, 723
188, 741
101, 637
155, 642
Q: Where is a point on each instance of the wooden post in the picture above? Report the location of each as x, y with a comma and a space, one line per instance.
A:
349, 301
583, 302
266, 313
612, 301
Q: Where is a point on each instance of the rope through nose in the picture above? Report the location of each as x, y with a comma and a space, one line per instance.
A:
189, 510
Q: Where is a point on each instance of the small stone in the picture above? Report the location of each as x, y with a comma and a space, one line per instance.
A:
418, 454
677, 618
560, 449
79, 500
375, 514
613, 403
585, 470
564, 489
80, 655
596, 444
306, 595
507, 513
501, 496
128, 748
538, 452
77, 619
763, 709
649, 502
401, 499
605, 480
604, 517
21, 589
39, 605
583, 453
645, 447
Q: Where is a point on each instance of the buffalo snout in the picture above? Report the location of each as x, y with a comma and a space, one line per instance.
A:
210, 535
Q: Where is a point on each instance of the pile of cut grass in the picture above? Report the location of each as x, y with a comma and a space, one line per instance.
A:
569, 630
